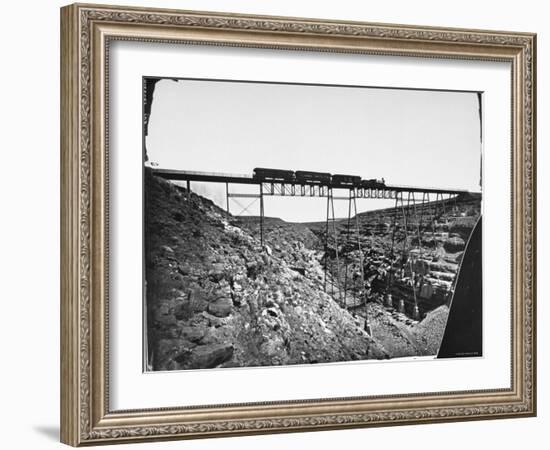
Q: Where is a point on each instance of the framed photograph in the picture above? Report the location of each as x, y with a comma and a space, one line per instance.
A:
274, 224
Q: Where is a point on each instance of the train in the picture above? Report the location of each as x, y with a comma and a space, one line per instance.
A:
373, 183
263, 174
303, 177
346, 180
319, 178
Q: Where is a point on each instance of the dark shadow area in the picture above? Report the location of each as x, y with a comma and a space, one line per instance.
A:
463, 333
49, 431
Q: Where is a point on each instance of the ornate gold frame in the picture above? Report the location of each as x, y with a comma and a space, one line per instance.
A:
85, 34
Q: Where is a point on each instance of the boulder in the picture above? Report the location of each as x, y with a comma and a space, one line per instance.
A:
213, 321
224, 290
187, 306
209, 356
217, 273
193, 334
221, 307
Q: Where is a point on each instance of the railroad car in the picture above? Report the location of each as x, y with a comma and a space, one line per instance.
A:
264, 174
348, 180
303, 177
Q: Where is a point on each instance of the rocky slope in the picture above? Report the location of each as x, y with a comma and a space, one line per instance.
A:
216, 299
427, 251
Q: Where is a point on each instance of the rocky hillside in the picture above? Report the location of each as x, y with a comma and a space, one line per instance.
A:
215, 298
417, 257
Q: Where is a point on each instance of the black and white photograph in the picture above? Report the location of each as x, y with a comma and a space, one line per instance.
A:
289, 223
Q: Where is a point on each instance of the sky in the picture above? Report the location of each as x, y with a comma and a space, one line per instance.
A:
408, 137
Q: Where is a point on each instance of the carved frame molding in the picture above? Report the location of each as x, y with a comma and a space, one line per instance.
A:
86, 31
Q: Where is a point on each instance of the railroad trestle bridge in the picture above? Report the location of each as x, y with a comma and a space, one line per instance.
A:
414, 211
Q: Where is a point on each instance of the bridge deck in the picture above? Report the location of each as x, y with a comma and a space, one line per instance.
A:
183, 175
